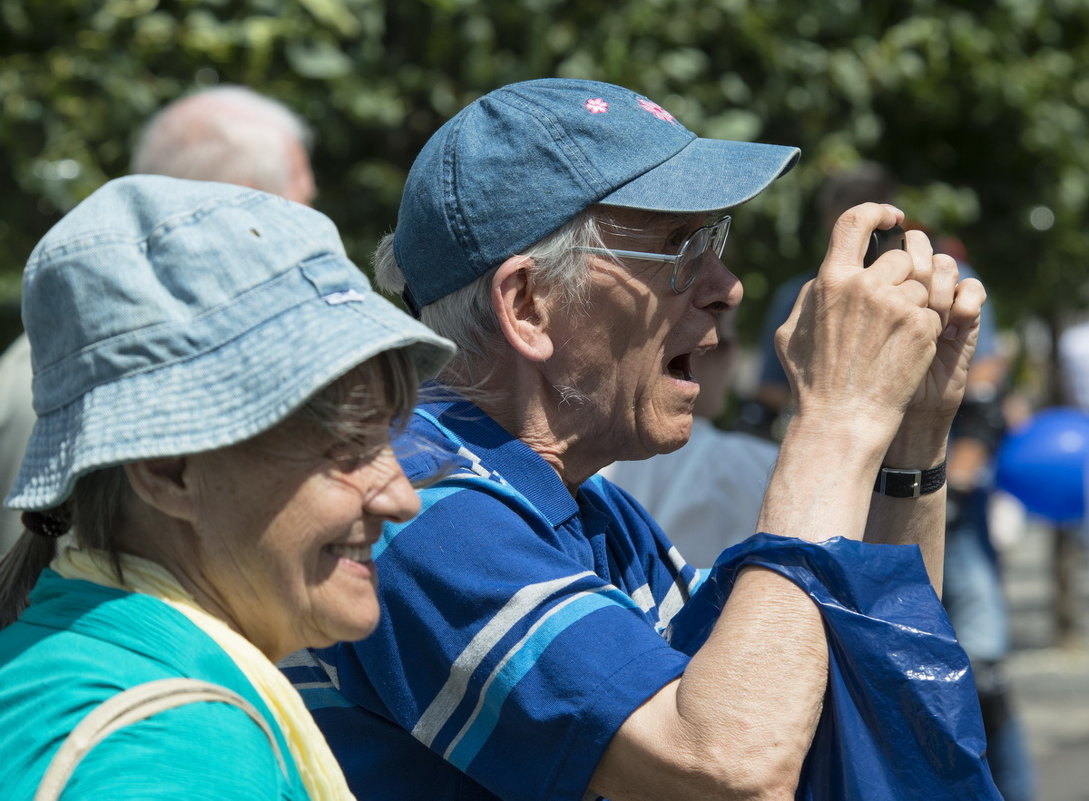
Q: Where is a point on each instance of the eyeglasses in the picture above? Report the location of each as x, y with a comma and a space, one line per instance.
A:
686, 262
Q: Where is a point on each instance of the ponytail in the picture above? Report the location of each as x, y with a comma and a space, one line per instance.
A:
93, 511
19, 571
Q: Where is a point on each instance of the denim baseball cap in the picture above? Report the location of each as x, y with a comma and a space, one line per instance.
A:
169, 317
523, 160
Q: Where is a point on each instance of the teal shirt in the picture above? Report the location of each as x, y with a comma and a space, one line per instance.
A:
78, 644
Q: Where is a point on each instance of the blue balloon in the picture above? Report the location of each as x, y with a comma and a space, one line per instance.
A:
1042, 464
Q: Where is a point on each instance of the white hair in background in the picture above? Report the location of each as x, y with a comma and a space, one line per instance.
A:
227, 133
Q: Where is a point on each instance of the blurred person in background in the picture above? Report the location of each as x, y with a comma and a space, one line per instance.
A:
227, 133
16, 421
230, 134
1071, 541
706, 494
973, 590
216, 384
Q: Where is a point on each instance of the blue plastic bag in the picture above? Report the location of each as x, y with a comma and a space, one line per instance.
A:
901, 718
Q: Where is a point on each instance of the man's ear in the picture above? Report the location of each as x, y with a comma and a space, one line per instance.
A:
163, 484
521, 309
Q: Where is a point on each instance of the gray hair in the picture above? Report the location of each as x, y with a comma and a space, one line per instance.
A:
466, 317
228, 133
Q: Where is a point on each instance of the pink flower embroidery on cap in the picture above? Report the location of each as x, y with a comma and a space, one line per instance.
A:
656, 110
595, 105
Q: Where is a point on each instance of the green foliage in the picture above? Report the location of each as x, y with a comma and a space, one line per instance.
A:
980, 108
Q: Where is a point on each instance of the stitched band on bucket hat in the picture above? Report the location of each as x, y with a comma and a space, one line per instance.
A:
169, 317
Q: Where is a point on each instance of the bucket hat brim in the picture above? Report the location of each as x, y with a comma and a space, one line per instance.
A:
219, 398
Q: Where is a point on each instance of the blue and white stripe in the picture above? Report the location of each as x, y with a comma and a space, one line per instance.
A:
520, 604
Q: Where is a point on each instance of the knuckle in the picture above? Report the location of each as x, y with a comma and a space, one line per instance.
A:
928, 322
783, 332
946, 264
977, 286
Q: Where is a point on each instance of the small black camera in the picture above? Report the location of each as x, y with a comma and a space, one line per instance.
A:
883, 241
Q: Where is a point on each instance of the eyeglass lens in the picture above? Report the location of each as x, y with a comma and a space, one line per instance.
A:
709, 238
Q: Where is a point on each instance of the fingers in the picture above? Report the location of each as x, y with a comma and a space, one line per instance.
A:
937, 274
965, 309
784, 333
918, 247
943, 285
871, 335
858, 342
851, 235
907, 288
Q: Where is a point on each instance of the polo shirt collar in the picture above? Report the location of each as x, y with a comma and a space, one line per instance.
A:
506, 455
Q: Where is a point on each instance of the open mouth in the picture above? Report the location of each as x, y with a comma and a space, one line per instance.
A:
680, 367
356, 553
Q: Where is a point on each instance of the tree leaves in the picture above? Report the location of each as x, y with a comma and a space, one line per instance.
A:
981, 108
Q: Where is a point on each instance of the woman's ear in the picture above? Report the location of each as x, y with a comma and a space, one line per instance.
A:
521, 309
163, 485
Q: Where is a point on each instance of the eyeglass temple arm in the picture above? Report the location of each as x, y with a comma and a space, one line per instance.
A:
631, 254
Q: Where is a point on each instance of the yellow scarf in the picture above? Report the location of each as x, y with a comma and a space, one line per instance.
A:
317, 766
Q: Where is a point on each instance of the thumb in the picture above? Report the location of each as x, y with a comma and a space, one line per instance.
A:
850, 236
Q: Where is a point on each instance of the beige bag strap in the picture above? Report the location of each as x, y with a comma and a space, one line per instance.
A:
131, 706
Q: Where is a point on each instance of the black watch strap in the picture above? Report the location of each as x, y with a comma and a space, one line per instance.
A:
898, 483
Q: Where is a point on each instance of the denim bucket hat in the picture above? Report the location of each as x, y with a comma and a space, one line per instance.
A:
168, 317
523, 160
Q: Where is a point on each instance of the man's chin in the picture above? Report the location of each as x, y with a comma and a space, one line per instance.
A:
676, 437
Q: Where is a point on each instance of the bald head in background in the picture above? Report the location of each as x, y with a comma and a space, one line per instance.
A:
230, 134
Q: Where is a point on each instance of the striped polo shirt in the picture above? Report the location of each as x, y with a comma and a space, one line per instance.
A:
520, 626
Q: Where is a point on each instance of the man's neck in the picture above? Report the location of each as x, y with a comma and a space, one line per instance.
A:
541, 416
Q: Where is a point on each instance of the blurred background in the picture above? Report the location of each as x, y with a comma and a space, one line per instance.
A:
981, 109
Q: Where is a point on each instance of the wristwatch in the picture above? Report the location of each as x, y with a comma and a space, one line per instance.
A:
899, 483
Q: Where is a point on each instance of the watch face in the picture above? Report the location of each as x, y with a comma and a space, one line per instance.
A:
899, 483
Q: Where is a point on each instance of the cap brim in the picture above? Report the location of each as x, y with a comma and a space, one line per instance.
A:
707, 175
218, 398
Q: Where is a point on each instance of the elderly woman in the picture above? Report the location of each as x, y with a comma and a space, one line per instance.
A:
215, 383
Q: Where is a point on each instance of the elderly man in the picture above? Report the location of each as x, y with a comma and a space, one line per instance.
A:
228, 133
569, 235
